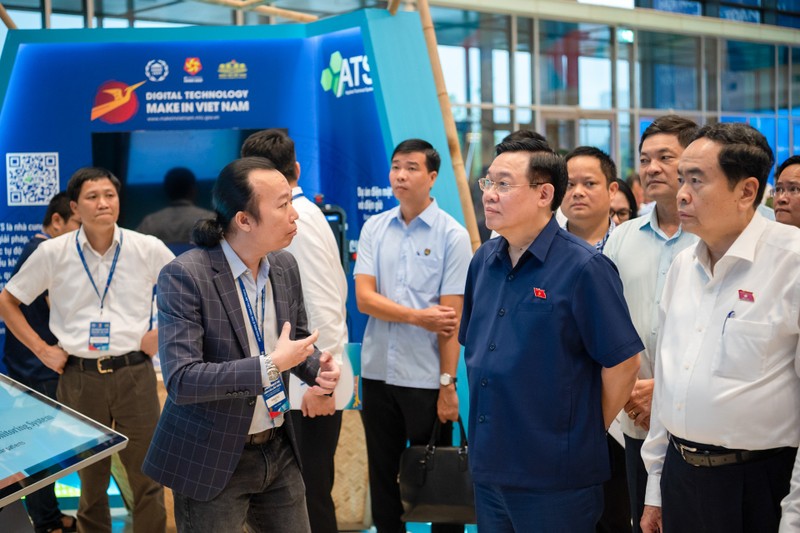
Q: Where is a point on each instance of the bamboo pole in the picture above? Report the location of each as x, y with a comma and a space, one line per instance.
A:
264, 10
393, 5
462, 184
6, 18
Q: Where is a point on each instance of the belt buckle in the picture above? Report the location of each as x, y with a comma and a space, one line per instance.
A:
683, 449
100, 368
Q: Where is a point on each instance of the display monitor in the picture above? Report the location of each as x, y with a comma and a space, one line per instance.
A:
42, 440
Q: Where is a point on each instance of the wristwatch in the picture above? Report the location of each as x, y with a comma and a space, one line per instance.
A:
272, 370
446, 379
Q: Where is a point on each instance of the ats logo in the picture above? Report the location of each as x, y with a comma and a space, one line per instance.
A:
346, 75
192, 66
115, 102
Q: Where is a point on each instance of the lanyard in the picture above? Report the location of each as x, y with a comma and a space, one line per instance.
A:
110, 272
296, 196
253, 323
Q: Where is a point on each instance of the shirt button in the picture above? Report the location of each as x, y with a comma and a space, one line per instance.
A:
502, 312
492, 347
484, 382
481, 419
510, 277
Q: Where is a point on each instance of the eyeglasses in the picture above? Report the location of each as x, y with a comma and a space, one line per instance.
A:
487, 185
791, 190
621, 213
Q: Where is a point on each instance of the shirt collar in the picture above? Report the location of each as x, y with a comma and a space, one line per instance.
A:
428, 216
238, 267
538, 248
84, 241
744, 247
650, 222
599, 245
297, 192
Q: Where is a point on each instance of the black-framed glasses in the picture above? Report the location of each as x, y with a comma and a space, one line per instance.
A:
620, 213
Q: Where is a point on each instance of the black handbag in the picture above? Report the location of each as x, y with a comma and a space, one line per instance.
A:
435, 483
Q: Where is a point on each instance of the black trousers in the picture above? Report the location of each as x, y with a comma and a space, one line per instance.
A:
616, 517
394, 416
637, 479
741, 498
317, 438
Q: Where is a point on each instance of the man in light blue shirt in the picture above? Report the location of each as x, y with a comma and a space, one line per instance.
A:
643, 250
409, 276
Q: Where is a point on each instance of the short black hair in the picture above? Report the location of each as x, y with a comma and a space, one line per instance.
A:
543, 165
59, 204
232, 193
179, 183
537, 141
82, 175
745, 152
275, 145
794, 160
681, 127
607, 165
432, 158
625, 189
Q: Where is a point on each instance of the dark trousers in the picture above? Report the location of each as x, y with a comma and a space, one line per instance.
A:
637, 479
317, 438
616, 517
43, 505
739, 498
392, 417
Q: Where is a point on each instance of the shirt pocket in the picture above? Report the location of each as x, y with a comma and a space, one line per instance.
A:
744, 350
425, 274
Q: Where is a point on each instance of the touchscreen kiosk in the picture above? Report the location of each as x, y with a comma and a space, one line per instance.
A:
42, 440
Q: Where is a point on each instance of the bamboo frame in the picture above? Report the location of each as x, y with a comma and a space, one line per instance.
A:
462, 184
6, 18
264, 10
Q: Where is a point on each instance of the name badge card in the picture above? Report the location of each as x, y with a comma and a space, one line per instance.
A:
99, 336
276, 399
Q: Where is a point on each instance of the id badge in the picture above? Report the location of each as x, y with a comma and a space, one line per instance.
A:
99, 336
276, 399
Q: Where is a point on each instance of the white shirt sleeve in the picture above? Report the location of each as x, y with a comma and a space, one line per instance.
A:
33, 278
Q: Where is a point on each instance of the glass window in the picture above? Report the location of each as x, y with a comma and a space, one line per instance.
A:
523, 71
795, 85
669, 66
788, 21
628, 146
575, 64
454, 68
783, 79
624, 71
748, 77
25, 20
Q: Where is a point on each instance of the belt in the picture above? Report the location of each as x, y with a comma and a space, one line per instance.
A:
107, 364
695, 455
263, 437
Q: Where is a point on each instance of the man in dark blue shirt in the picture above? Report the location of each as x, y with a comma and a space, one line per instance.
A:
550, 352
26, 368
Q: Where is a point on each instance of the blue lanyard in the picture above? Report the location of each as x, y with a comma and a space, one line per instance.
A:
253, 322
296, 196
110, 272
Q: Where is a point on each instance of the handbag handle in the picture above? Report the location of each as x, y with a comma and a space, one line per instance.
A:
437, 427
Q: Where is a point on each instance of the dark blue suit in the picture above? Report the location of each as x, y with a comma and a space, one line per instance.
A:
212, 381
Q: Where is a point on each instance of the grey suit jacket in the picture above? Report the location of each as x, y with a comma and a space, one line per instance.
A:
212, 382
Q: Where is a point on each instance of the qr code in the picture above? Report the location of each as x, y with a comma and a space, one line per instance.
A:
31, 178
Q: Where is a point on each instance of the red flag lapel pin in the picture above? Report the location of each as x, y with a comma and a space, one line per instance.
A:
746, 296
539, 293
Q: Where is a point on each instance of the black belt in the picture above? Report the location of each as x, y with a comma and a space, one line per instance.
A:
708, 456
107, 364
257, 439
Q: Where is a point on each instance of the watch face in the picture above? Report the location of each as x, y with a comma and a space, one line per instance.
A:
446, 379
273, 373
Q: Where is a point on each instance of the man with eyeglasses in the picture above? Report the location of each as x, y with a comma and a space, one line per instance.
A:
547, 371
409, 277
643, 250
786, 194
725, 423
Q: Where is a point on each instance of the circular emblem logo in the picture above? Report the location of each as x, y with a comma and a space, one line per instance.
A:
156, 70
115, 102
